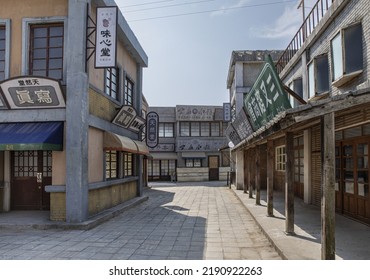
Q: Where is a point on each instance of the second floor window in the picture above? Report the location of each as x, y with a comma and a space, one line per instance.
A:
111, 82
2, 53
318, 76
46, 50
347, 52
129, 92
166, 130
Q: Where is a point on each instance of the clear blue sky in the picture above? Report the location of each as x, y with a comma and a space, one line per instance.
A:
189, 42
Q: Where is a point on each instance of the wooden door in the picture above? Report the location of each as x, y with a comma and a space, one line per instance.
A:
31, 172
213, 163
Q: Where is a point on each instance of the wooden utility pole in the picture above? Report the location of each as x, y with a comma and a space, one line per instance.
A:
328, 187
258, 177
289, 184
270, 177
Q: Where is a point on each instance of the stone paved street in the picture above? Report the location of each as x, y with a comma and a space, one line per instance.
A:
178, 221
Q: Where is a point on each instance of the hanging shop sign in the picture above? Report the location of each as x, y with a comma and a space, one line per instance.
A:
127, 118
227, 112
232, 135
106, 37
242, 125
267, 98
152, 129
31, 92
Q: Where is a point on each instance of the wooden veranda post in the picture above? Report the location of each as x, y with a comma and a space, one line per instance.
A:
289, 184
251, 172
270, 178
328, 187
258, 177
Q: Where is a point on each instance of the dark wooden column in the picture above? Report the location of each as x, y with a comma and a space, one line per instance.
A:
251, 172
257, 175
328, 187
246, 171
289, 184
270, 178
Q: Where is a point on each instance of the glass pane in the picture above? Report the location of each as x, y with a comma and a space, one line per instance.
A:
362, 162
348, 175
337, 186
349, 187
39, 53
39, 43
56, 74
353, 48
347, 150
39, 65
55, 63
56, 31
56, 42
311, 81
361, 189
40, 32
55, 52
362, 149
322, 74
363, 176
195, 129
336, 49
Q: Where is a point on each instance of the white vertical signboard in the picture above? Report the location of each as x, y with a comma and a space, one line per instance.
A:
106, 37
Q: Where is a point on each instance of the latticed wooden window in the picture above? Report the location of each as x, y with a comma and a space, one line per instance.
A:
46, 50
2, 53
129, 91
111, 165
111, 82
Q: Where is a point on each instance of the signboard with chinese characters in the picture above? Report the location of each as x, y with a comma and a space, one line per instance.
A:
227, 112
106, 37
152, 129
127, 118
232, 135
199, 145
163, 148
32, 93
267, 98
195, 113
242, 125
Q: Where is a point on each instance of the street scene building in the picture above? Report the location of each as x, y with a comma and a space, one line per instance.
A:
317, 149
190, 142
71, 108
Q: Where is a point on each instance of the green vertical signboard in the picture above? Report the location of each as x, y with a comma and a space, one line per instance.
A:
267, 98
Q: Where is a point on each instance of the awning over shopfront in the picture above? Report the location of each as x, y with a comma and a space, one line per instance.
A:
117, 142
194, 155
31, 136
164, 156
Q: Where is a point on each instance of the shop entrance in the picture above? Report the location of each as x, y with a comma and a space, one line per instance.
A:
31, 172
213, 163
352, 179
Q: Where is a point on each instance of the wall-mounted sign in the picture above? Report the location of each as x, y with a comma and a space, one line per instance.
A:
195, 113
152, 129
163, 148
200, 145
127, 118
106, 37
227, 112
232, 135
267, 98
32, 93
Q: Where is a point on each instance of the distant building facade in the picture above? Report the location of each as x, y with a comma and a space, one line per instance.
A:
60, 149
190, 139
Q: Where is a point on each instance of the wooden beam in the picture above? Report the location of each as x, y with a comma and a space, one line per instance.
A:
328, 187
251, 172
295, 95
289, 184
246, 173
270, 177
